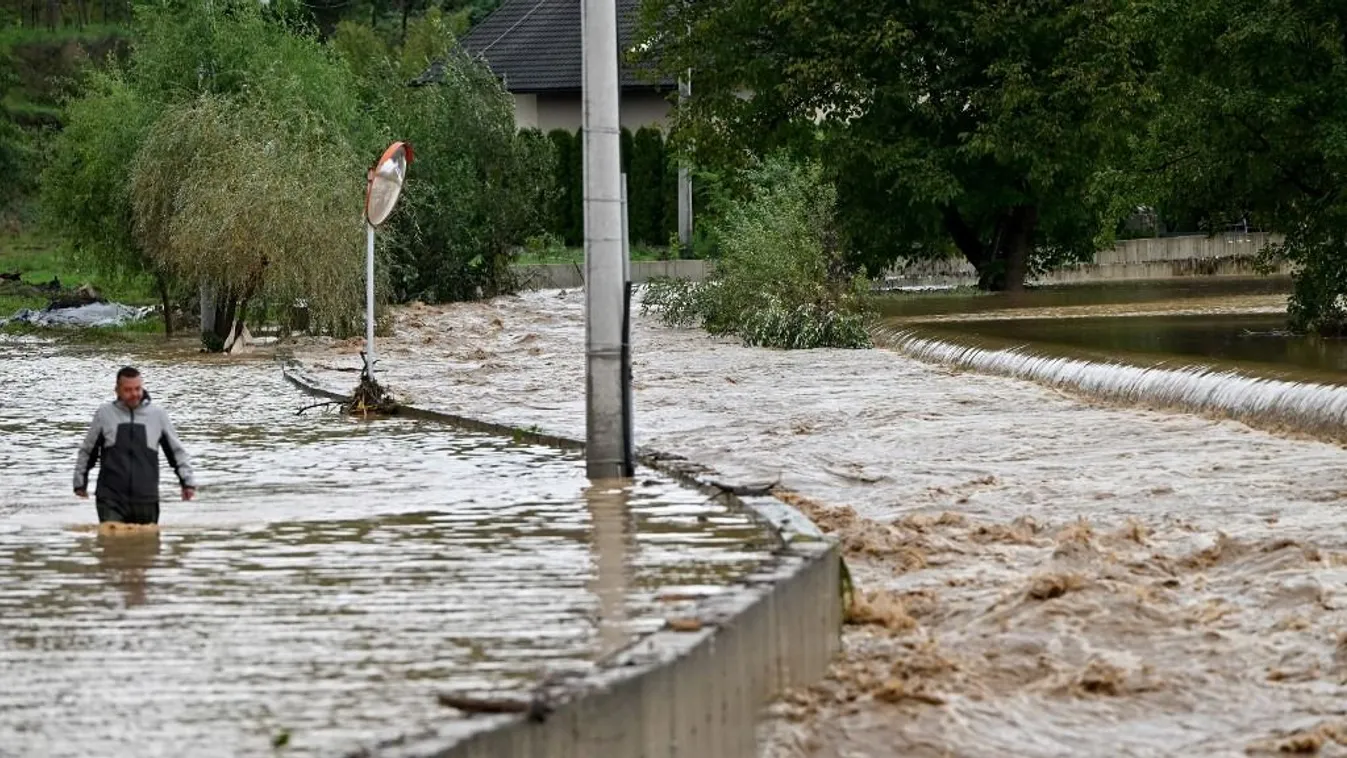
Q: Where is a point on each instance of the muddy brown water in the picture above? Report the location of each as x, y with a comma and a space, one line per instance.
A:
934, 302
332, 576
1202, 561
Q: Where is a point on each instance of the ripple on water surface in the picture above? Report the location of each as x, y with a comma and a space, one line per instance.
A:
332, 576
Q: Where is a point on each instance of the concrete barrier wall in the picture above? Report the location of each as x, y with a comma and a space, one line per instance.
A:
683, 694
692, 691
1139, 259
1159, 258
571, 275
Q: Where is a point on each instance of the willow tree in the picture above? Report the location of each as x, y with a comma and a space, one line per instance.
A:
225, 191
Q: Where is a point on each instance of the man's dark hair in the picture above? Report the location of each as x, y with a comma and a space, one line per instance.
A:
127, 372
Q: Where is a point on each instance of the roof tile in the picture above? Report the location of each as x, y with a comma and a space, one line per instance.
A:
534, 45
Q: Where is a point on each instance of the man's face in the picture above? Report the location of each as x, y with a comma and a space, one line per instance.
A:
129, 391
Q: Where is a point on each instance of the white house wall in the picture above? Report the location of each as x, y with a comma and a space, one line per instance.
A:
562, 110
526, 111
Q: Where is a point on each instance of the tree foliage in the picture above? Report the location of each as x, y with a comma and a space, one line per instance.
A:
86, 188
14, 148
1253, 127
232, 194
980, 126
194, 61
781, 279
230, 152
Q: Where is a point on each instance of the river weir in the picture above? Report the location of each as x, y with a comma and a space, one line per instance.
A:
1216, 349
331, 579
1317, 409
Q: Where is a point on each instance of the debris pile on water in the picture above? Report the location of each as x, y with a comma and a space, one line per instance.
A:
370, 399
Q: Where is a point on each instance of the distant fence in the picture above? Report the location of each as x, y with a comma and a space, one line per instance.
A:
1157, 258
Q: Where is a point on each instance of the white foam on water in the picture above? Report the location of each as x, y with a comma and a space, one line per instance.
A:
1302, 406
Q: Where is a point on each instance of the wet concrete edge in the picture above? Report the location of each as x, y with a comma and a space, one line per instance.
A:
692, 690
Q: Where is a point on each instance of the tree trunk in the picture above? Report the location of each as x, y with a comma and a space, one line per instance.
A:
162, 285
215, 333
1002, 264
965, 238
1018, 244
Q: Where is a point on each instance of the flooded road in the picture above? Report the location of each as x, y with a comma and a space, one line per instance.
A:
330, 578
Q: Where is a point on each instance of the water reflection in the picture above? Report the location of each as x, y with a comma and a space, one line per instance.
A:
1066, 295
607, 501
1257, 344
125, 556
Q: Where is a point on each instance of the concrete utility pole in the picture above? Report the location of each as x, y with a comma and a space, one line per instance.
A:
606, 446
684, 177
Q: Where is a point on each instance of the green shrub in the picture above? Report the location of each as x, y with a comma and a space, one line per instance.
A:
781, 280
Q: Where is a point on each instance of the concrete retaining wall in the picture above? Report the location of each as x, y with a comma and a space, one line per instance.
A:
677, 692
570, 275
1130, 260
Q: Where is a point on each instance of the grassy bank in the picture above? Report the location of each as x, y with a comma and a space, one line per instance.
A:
47, 63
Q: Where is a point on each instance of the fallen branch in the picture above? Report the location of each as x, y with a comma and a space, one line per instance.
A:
320, 405
746, 490
369, 398
535, 707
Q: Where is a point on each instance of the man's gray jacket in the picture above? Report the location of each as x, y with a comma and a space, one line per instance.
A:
128, 441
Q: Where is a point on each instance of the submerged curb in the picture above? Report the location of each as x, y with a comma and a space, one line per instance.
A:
696, 690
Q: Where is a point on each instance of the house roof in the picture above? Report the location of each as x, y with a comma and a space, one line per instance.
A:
534, 45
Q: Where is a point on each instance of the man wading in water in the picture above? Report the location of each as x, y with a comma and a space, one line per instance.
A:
127, 435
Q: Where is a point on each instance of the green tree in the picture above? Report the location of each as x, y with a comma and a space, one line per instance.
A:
429, 39
566, 185
977, 126
13, 144
1253, 127
477, 186
86, 190
258, 59
646, 187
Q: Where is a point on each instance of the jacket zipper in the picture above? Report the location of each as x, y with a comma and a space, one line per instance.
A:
130, 468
